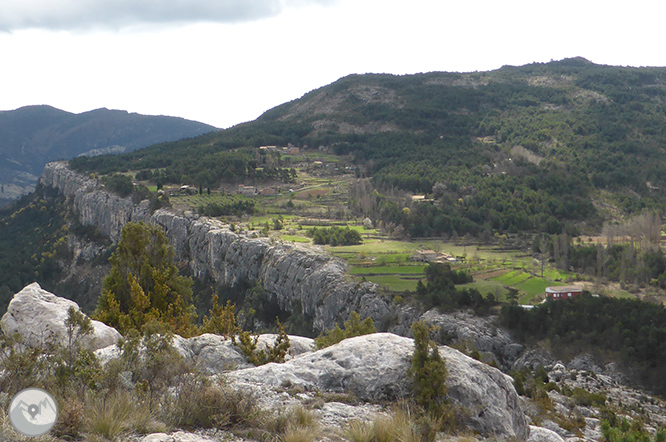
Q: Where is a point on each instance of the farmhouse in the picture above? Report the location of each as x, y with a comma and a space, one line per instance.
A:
247, 190
563, 292
266, 191
424, 255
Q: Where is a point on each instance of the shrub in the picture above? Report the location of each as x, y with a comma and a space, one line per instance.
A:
585, 398
115, 414
119, 184
428, 371
71, 419
275, 353
202, 403
397, 427
221, 320
352, 327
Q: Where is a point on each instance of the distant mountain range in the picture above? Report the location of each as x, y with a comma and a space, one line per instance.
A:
34, 135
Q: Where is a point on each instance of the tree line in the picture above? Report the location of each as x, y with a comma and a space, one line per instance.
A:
632, 331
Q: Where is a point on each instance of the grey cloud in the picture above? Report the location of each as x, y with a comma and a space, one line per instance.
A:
85, 14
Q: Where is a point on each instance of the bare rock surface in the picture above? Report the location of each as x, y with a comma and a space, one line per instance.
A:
180, 436
39, 316
539, 434
213, 354
297, 344
374, 367
464, 328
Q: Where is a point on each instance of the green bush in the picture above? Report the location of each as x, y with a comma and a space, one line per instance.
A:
275, 353
202, 403
335, 236
428, 371
352, 327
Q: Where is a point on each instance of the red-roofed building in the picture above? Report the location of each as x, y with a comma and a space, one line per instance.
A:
563, 292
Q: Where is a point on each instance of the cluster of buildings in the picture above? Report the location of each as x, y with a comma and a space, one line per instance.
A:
432, 256
289, 150
253, 191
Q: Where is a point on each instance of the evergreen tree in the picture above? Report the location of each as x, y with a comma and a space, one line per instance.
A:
428, 371
144, 285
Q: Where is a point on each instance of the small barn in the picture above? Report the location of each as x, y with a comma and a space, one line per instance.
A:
563, 292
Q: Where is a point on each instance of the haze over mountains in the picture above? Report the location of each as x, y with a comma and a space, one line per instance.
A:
34, 135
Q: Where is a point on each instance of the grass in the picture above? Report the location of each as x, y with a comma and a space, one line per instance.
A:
295, 238
116, 414
396, 427
394, 282
389, 270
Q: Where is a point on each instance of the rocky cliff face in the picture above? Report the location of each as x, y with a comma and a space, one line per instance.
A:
298, 277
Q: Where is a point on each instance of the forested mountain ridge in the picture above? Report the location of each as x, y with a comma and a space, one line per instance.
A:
31, 136
542, 147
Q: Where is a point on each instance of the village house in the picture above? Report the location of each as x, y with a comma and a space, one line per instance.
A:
267, 191
563, 292
421, 199
247, 190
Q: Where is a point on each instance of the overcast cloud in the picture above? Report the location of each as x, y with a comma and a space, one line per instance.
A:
115, 14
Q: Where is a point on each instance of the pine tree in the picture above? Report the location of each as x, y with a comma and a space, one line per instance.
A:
144, 286
428, 371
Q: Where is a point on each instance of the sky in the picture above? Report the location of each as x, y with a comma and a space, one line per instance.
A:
224, 62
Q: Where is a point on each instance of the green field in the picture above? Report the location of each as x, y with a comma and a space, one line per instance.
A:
394, 282
384, 270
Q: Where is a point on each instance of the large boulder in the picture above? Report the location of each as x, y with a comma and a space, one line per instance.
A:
374, 367
213, 354
539, 434
39, 317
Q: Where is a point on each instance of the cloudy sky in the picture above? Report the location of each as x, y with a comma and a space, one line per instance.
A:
224, 62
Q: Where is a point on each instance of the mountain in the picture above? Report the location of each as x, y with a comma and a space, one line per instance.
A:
549, 147
34, 135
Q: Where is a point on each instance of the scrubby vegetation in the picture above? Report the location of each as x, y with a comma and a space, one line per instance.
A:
335, 236
440, 290
633, 331
352, 327
33, 238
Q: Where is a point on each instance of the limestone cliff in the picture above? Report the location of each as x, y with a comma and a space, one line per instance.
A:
299, 277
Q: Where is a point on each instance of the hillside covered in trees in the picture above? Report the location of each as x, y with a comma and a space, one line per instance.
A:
552, 147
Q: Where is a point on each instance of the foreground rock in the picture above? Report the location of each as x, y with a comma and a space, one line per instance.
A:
374, 368
39, 316
538, 434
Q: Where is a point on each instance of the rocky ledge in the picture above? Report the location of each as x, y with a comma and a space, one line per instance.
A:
303, 280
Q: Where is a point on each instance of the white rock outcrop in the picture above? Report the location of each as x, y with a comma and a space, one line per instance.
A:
374, 367
539, 434
39, 316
